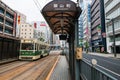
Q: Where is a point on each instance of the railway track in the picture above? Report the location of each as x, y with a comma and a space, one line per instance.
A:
6, 67
35, 70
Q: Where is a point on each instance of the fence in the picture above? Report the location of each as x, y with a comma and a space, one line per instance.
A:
90, 72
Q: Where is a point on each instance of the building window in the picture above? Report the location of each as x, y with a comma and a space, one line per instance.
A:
9, 15
1, 10
8, 31
1, 19
116, 25
1, 28
9, 23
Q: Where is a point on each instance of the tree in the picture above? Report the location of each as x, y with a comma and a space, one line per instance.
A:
86, 46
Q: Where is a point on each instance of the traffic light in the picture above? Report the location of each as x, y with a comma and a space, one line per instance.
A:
35, 25
18, 19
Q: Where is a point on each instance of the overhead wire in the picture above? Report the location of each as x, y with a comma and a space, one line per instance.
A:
37, 5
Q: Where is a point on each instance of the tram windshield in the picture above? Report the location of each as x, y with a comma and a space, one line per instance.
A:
27, 46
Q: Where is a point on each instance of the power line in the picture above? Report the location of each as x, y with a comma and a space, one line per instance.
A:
37, 5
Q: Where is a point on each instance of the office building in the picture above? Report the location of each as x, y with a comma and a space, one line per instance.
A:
98, 30
112, 11
80, 30
27, 31
9, 44
87, 26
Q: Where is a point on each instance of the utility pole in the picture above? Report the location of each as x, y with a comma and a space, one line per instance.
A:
112, 20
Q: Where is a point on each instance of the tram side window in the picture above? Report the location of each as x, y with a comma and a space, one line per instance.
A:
27, 46
43, 47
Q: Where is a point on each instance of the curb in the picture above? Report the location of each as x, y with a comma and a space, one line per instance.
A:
48, 76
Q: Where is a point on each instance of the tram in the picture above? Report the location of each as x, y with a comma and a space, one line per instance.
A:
32, 49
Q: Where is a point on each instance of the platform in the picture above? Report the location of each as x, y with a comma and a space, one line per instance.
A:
7, 60
61, 71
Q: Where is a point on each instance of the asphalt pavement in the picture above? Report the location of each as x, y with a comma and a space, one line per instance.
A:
106, 63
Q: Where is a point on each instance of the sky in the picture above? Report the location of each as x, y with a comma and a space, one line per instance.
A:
28, 7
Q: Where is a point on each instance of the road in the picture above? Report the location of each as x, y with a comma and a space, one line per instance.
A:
109, 65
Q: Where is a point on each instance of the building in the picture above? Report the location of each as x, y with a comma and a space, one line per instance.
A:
98, 30
9, 44
21, 18
84, 23
40, 35
7, 20
27, 31
87, 25
112, 11
41, 26
80, 30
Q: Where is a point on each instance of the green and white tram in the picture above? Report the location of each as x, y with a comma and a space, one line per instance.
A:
32, 49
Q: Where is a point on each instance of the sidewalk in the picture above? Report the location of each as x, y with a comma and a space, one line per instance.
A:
7, 60
61, 71
105, 55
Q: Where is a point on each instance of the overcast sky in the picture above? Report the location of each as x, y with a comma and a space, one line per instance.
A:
28, 8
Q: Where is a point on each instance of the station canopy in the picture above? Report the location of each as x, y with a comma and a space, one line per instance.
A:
61, 15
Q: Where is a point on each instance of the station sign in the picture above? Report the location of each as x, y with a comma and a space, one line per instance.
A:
61, 6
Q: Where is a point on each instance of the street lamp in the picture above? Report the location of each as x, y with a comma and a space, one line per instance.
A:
113, 30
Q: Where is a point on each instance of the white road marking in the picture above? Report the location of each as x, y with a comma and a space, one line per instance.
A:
104, 68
